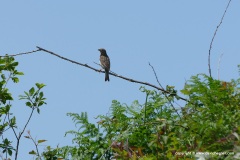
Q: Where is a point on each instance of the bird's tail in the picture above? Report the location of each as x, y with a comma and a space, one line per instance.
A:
107, 75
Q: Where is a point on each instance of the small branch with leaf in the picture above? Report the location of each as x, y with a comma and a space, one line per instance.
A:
36, 144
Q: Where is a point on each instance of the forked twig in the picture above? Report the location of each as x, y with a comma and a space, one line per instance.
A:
164, 92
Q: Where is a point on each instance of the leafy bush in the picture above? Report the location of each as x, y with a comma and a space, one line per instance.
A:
207, 122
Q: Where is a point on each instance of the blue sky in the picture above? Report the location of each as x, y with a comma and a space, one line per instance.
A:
174, 36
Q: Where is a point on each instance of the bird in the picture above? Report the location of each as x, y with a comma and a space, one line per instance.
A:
105, 62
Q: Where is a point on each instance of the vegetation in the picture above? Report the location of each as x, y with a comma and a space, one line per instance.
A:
34, 100
208, 121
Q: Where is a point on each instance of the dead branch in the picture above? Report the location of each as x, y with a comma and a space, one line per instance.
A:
210, 47
97, 70
111, 73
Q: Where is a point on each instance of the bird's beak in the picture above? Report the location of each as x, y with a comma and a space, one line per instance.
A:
99, 49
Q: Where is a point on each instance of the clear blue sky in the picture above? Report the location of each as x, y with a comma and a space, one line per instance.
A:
174, 36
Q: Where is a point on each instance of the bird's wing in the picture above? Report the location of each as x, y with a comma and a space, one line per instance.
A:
105, 62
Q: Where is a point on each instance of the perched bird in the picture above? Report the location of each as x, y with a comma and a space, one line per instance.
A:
105, 62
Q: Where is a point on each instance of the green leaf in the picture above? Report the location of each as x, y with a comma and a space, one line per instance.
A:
40, 95
12, 122
41, 103
40, 85
48, 148
29, 104
32, 152
41, 141
14, 64
20, 73
3, 76
15, 79
236, 135
6, 142
165, 138
22, 97
10, 152
38, 110
26, 93
31, 91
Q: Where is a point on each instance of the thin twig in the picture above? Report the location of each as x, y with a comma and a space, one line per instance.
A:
164, 92
13, 55
9, 77
101, 66
210, 48
97, 64
20, 134
145, 108
35, 143
219, 61
12, 127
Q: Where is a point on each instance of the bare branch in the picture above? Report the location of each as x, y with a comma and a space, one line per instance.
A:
164, 92
21, 133
210, 48
97, 70
13, 55
111, 73
155, 75
35, 143
219, 61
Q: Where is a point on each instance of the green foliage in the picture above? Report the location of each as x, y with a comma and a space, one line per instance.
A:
8, 72
7, 147
209, 121
35, 99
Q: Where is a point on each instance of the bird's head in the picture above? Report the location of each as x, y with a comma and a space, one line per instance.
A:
102, 51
